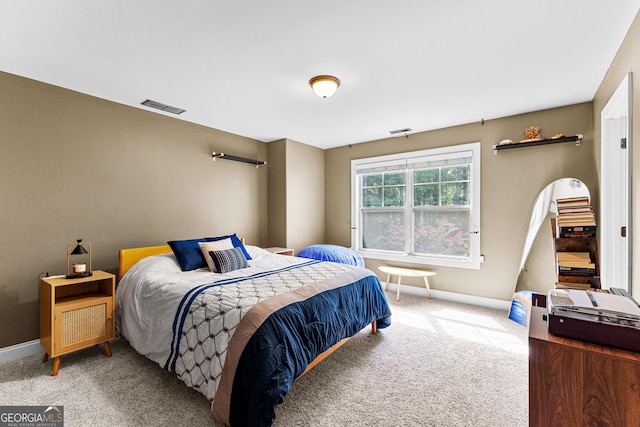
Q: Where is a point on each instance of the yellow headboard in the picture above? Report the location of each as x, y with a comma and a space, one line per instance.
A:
128, 257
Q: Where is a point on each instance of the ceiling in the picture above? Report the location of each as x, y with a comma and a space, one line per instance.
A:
244, 66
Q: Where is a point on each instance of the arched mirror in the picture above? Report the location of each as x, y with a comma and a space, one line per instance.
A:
537, 271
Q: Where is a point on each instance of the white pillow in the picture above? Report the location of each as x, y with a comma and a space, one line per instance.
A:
256, 251
216, 245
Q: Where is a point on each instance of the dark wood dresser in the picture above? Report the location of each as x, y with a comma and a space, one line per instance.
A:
573, 383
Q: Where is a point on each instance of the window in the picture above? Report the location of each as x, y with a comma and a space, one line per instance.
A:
421, 207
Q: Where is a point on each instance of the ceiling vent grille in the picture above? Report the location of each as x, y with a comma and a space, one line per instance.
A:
401, 132
160, 106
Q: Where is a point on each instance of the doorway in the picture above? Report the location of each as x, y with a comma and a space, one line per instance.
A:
537, 266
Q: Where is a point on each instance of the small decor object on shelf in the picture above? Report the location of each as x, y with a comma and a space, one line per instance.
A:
558, 138
532, 133
79, 268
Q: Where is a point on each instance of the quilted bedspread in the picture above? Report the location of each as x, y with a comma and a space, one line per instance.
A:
242, 339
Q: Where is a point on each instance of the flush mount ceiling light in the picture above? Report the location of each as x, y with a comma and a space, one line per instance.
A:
324, 86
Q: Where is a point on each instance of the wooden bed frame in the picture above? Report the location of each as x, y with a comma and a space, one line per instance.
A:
128, 258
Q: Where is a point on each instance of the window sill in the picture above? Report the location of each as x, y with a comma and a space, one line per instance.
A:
469, 264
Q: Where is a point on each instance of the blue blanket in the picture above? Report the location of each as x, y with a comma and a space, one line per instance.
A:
288, 339
332, 253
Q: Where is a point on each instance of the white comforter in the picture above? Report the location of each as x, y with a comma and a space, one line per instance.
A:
149, 296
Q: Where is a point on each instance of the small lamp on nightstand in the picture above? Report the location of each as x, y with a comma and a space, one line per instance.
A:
78, 269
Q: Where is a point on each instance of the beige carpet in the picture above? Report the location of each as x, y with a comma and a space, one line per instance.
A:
438, 364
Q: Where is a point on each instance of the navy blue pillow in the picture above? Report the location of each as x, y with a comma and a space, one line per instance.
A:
188, 253
235, 241
228, 260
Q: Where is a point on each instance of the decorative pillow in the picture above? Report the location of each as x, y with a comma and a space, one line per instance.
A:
235, 240
228, 260
216, 245
188, 253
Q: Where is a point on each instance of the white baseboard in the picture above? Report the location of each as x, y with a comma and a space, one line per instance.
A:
453, 296
19, 351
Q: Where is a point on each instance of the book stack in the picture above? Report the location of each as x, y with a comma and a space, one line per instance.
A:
575, 217
573, 285
574, 264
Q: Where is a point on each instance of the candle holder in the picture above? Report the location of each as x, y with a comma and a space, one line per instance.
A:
78, 269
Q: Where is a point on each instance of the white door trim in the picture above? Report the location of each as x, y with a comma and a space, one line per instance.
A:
615, 189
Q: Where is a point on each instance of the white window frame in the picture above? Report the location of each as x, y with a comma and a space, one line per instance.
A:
473, 261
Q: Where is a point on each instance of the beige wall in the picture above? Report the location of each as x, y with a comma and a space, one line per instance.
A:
296, 194
277, 176
510, 184
305, 195
74, 166
539, 271
626, 60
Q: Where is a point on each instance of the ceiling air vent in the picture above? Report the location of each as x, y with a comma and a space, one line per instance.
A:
160, 106
401, 132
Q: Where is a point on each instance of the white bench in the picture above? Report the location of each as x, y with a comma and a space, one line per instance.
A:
407, 272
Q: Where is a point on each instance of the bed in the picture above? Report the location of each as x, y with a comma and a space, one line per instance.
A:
242, 337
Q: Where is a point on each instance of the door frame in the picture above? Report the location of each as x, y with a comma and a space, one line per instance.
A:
615, 188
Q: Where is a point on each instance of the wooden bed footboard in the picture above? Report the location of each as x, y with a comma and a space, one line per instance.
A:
331, 349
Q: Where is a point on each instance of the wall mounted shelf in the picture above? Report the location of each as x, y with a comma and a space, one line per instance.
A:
574, 138
237, 159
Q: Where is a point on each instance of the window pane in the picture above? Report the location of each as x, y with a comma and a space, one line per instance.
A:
372, 197
395, 178
441, 233
426, 195
383, 230
455, 173
419, 206
426, 175
372, 180
455, 194
394, 196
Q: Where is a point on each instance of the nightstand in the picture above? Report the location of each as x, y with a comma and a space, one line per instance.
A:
280, 251
75, 314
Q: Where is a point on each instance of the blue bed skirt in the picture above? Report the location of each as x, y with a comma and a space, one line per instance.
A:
332, 253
